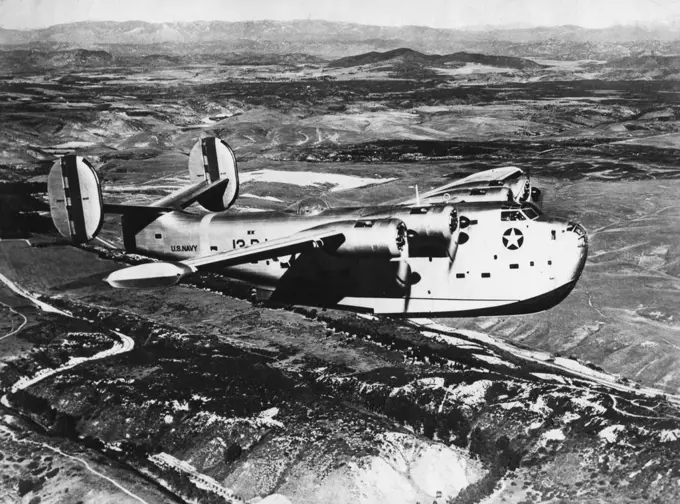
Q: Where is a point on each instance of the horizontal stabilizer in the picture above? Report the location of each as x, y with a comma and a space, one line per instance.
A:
152, 211
188, 195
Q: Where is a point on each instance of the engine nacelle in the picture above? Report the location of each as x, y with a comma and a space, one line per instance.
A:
380, 237
433, 223
211, 159
432, 228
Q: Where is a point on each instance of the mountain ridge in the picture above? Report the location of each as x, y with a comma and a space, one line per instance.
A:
405, 55
143, 32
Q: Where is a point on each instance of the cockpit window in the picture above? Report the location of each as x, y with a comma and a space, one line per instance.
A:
512, 215
531, 212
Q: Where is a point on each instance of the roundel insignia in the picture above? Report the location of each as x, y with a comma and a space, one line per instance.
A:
513, 239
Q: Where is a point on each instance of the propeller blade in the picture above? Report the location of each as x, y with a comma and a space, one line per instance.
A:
452, 250
404, 274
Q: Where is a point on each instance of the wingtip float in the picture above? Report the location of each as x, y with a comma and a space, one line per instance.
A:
149, 276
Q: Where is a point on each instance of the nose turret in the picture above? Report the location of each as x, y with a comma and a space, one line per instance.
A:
575, 251
580, 231
567, 245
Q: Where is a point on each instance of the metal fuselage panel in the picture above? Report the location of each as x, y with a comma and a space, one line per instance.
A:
500, 267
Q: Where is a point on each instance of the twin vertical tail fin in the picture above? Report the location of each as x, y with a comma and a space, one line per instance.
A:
211, 160
75, 199
213, 174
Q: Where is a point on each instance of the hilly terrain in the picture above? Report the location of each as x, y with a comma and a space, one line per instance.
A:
212, 399
405, 55
201, 394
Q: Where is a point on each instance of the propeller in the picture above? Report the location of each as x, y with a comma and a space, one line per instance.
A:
526, 189
454, 241
404, 274
452, 250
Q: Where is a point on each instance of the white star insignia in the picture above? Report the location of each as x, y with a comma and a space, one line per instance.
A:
513, 238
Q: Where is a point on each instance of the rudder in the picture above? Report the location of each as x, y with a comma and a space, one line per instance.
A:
75, 198
210, 160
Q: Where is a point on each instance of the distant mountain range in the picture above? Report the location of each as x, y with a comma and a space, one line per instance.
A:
404, 55
333, 40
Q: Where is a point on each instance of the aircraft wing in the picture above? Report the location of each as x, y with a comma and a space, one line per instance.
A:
487, 176
293, 244
491, 178
164, 274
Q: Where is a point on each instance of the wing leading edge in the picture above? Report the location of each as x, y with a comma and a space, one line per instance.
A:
494, 178
165, 274
293, 244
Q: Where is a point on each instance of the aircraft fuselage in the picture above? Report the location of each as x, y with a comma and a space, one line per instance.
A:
508, 260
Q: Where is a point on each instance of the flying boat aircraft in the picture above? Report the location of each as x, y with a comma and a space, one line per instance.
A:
477, 246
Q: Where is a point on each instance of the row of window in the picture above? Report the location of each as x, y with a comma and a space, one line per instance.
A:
513, 266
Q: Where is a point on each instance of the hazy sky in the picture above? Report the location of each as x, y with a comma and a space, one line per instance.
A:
22, 14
